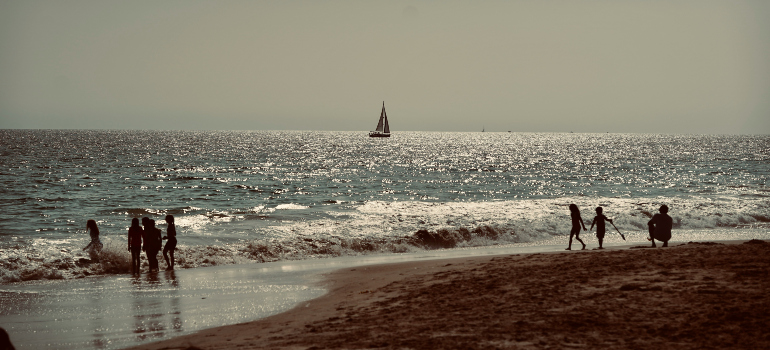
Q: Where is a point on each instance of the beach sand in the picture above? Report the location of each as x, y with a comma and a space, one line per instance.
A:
688, 296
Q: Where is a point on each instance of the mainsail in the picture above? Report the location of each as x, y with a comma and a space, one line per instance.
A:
382, 119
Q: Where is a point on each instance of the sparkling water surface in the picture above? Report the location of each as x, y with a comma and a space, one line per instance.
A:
228, 188
296, 196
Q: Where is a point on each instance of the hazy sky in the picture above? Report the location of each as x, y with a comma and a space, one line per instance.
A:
697, 66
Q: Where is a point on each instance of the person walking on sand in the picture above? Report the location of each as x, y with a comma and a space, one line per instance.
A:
577, 221
600, 227
152, 243
168, 250
95, 245
135, 234
660, 226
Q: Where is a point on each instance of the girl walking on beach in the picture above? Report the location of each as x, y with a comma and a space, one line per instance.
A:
171, 244
135, 234
95, 245
577, 221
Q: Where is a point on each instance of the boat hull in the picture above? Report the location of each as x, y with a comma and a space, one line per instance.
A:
378, 134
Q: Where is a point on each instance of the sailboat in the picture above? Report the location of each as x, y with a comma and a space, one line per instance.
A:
383, 129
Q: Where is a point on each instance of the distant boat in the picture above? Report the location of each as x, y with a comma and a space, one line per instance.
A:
383, 129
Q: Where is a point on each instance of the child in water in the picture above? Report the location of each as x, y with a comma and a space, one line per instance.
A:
152, 243
171, 244
95, 245
600, 229
135, 233
577, 221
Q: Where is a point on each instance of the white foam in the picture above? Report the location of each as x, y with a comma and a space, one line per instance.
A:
290, 206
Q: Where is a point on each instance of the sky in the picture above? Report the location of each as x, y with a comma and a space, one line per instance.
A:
700, 66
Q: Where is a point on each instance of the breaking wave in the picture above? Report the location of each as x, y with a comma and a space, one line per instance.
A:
36, 264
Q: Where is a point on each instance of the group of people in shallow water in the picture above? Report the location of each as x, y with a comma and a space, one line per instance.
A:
148, 238
145, 238
659, 226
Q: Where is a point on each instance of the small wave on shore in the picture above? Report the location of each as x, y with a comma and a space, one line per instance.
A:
37, 263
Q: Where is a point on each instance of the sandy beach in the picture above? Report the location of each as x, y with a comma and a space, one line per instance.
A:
688, 296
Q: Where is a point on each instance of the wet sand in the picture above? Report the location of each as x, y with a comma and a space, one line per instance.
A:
688, 296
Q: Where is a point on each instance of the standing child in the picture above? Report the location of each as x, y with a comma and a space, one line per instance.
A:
135, 234
171, 244
152, 243
599, 221
577, 221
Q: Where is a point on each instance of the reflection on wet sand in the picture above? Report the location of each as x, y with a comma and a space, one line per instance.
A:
97, 316
123, 311
156, 306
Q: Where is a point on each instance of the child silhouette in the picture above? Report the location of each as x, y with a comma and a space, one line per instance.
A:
577, 221
599, 220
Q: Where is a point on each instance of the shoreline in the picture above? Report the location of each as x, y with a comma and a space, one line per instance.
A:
33, 264
685, 296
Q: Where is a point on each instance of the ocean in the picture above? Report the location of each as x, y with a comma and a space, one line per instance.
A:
257, 196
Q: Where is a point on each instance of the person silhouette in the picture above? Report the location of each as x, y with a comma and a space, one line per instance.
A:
577, 221
600, 227
660, 226
152, 243
168, 250
135, 233
5, 340
95, 245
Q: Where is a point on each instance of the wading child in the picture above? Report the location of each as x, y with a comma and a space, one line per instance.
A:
152, 243
600, 229
135, 233
95, 246
171, 244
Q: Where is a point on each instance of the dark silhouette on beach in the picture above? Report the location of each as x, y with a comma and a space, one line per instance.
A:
577, 221
95, 245
599, 220
135, 233
5, 340
660, 226
152, 243
168, 250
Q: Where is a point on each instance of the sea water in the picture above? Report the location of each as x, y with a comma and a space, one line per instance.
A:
256, 196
